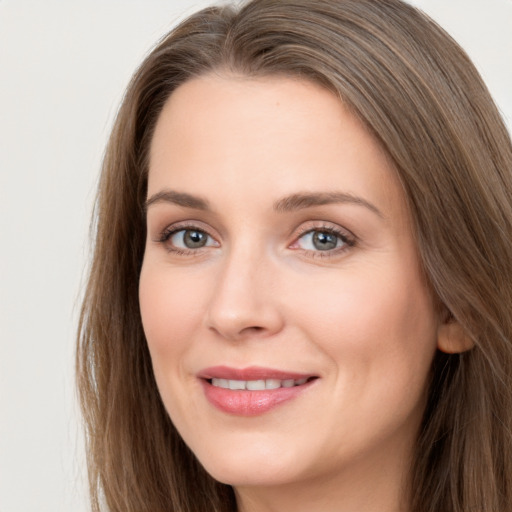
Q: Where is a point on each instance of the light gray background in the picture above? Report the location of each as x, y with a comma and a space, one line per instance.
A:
63, 68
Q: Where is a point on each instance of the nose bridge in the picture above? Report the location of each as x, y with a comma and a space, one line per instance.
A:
241, 301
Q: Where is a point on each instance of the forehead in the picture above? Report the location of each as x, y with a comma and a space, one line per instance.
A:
273, 135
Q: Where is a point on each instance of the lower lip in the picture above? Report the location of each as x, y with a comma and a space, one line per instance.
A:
250, 403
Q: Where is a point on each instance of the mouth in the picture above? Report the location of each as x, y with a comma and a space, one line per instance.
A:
259, 384
252, 391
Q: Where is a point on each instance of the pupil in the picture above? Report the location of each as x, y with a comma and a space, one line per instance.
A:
194, 239
324, 241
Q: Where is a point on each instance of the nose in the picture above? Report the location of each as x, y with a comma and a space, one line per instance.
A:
245, 300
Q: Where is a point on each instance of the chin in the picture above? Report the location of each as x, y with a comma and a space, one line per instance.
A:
249, 477
242, 469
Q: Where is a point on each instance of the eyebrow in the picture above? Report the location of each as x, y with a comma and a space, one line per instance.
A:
178, 198
293, 202
301, 201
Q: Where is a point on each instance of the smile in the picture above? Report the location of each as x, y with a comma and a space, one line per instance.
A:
252, 391
257, 385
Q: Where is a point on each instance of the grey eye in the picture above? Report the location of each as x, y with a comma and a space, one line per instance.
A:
324, 241
317, 240
191, 239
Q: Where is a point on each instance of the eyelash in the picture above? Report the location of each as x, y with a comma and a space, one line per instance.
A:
347, 239
169, 232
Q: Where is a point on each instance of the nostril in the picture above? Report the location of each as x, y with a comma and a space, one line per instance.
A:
252, 330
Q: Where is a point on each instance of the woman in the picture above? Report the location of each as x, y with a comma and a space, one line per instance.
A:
300, 294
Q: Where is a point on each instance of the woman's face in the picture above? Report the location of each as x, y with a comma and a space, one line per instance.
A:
289, 324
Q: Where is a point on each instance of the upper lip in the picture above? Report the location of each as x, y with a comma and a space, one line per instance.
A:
250, 373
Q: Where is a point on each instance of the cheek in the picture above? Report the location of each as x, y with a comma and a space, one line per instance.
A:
380, 324
380, 335
170, 313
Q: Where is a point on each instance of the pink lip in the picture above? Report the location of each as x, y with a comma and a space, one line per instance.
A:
250, 403
250, 373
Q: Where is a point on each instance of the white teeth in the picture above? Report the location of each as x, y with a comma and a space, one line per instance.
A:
272, 384
236, 384
257, 385
223, 383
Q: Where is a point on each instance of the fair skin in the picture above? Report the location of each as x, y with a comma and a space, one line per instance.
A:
278, 238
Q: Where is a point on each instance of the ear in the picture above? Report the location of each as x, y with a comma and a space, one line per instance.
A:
451, 337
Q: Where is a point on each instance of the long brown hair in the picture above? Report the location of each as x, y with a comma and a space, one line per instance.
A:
419, 94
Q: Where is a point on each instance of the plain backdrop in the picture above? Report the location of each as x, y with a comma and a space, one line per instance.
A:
63, 67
